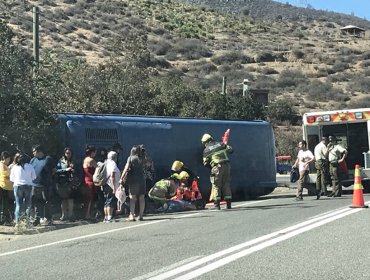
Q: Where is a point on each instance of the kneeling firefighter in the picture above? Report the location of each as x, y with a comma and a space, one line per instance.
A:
215, 155
165, 189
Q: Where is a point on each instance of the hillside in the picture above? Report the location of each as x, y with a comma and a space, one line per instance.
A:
293, 52
271, 10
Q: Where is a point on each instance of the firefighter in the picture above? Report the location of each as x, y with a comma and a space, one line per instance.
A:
215, 155
178, 167
165, 189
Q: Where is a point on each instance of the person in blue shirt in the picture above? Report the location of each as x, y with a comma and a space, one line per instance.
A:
43, 185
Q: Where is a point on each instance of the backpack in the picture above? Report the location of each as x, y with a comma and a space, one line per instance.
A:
100, 177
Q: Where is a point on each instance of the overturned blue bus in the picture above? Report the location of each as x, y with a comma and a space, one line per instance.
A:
253, 167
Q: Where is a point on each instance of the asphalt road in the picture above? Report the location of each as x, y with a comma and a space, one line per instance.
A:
271, 238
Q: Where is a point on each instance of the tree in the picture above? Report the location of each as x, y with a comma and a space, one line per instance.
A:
23, 119
281, 110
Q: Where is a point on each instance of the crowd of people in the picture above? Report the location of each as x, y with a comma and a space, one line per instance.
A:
328, 156
29, 187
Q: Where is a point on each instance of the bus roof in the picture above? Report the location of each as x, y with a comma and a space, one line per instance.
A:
112, 117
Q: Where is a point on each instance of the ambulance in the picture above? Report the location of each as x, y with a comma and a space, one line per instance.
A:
352, 129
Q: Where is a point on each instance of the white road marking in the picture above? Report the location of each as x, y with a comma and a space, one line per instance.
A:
97, 234
241, 254
77, 238
172, 266
248, 203
268, 240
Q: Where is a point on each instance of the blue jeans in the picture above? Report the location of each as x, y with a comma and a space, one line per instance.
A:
22, 195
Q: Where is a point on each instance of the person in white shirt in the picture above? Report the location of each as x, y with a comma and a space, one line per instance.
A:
303, 160
22, 175
111, 186
322, 166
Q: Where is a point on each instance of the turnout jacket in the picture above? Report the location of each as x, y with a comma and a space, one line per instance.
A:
215, 153
163, 189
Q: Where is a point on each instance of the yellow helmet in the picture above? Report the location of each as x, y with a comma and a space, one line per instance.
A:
184, 175
177, 165
175, 176
206, 137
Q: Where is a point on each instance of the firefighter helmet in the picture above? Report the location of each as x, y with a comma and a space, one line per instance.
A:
177, 165
184, 175
206, 137
175, 176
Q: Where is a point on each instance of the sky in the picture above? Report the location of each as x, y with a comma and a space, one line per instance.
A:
360, 8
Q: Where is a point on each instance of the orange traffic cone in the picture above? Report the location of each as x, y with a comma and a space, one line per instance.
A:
358, 195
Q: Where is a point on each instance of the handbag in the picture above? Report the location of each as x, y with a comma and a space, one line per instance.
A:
121, 194
294, 175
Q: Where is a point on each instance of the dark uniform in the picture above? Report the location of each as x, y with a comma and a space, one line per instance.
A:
336, 153
215, 154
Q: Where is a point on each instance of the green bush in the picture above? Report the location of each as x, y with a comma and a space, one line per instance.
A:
362, 102
298, 53
231, 57
289, 78
190, 49
320, 91
365, 63
268, 71
160, 47
265, 57
159, 62
281, 110
204, 68
366, 55
359, 83
339, 66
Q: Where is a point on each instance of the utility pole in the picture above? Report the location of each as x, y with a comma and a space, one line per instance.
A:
36, 41
224, 86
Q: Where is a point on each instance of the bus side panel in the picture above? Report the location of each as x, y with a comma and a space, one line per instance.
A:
157, 139
252, 163
253, 168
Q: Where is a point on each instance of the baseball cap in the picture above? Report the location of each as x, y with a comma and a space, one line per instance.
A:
117, 146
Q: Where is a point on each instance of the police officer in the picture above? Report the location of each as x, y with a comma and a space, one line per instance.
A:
322, 166
337, 154
215, 155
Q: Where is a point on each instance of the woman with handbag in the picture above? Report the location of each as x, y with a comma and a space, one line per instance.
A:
133, 177
65, 183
